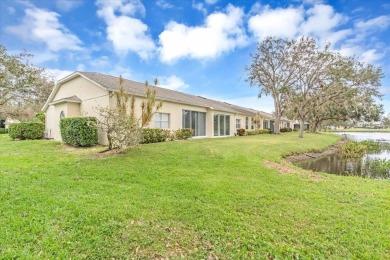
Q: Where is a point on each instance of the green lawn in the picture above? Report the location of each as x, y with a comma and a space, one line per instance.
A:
194, 199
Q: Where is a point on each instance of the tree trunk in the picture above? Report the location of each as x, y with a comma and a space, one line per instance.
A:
301, 128
277, 118
314, 126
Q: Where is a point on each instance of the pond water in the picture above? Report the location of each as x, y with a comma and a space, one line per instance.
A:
366, 167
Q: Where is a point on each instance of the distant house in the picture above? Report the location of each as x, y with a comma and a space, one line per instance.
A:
81, 93
9, 121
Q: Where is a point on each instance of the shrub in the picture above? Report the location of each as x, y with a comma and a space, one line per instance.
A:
257, 132
295, 129
241, 131
3, 131
155, 135
353, 149
79, 131
26, 130
285, 129
184, 134
40, 116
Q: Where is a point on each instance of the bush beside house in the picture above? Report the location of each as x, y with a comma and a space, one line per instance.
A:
155, 135
3, 131
26, 130
79, 131
184, 134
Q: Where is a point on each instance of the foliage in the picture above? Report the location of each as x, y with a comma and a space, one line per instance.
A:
3, 131
380, 167
258, 132
285, 129
23, 87
241, 132
79, 131
26, 130
272, 72
184, 133
155, 135
122, 128
217, 197
150, 104
41, 117
353, 149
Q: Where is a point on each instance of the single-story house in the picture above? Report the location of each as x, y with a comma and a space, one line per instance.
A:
82, 93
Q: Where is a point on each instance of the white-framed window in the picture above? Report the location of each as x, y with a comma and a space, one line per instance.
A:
238, 123
246, 123
161, 120
221, 125
252, 123
62, 115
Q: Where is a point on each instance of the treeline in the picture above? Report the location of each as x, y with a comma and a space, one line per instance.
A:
313, 84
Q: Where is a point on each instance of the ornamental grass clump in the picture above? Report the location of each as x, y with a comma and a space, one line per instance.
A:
353, 149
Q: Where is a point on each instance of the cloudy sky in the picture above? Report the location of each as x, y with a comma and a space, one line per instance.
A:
196, 46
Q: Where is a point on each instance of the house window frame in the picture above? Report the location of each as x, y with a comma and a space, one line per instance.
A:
238, 123
252, 123
194, 121
246, 123
225, 119
159, 123
62, 114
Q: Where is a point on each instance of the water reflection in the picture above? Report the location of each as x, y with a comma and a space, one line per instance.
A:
362, 167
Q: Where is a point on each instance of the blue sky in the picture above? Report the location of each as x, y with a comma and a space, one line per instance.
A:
196, 46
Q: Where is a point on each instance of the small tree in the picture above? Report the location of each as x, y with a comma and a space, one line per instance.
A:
120, 123
150, 105
273, 71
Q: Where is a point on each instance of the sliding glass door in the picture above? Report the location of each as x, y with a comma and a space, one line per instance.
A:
221, 125
196, 121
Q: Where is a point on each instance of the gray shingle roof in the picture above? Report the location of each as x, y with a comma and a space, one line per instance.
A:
112, 83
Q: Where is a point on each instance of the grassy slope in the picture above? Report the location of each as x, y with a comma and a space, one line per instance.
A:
198, 199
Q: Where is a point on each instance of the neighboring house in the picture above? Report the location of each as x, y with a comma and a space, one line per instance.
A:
82, 93
9, 121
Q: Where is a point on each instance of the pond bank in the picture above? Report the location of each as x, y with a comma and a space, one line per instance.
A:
316, 154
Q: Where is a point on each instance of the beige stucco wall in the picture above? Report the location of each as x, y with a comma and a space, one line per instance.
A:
92, 97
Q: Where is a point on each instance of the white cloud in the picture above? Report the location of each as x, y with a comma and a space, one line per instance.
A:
172, 82
221, 33
211, 2
371, 56
276, 22
200, 7
57, 74
378, 23
164, 4
321, 21
126, 33
43, 26
67, 5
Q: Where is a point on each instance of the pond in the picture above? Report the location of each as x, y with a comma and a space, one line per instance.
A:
371, 165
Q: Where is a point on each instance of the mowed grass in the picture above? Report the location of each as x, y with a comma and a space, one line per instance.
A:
187, 199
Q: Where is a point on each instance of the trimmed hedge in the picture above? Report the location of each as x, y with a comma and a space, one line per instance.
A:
285, 129
26, 130
184, 134
3, 131
79, 131
258, 132
155, 135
